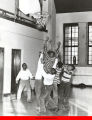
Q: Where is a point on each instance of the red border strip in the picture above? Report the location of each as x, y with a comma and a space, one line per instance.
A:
45, 118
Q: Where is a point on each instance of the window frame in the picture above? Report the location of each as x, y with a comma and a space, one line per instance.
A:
71, 46
89, 23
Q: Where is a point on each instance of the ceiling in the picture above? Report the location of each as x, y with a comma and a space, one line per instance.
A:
65, 6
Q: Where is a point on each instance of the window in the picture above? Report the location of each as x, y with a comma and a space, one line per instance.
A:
71, 43
90, 44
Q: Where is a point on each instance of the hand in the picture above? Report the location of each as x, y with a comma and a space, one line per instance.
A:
58, 44
16, 84
50, 41
47, 38
45, 42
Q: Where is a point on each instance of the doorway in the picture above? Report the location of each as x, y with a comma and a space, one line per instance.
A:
15, 68
1, 70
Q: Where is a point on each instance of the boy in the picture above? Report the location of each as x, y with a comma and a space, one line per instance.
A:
38, 80
48, 84
66, 86
56, 82
49, 56
24, 76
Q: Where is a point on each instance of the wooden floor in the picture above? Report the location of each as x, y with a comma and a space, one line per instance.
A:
81, 102
80, 105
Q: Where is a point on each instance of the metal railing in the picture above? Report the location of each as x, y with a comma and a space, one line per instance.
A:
19, 18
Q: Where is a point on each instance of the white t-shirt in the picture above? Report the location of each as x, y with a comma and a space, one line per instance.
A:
24, 75
38, 75
48, 78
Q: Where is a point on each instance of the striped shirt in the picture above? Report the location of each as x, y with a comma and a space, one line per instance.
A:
57, 76
66, 76
48, 62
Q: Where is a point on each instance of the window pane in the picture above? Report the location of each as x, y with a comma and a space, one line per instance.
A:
67, 42
75, 29
68, 35
90, 28
75, 35
67, 30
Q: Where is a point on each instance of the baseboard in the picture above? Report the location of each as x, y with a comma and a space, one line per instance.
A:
81, 85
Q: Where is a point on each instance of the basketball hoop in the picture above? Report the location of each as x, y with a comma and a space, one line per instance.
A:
41, 18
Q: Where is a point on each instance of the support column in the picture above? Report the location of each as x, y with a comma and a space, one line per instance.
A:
16, 8
82, 44
52, 22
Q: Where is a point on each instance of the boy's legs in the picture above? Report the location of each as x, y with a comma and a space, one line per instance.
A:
55, 94
38, 87
20, 89
45, 98
42, 100
67, 94
59, 90
29, 98
61, 95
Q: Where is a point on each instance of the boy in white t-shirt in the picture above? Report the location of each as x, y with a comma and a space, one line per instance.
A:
38, 80
48, 83
24, 76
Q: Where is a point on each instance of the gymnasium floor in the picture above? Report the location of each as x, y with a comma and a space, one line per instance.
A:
80, 105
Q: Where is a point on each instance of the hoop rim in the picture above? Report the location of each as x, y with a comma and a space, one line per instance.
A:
41, 14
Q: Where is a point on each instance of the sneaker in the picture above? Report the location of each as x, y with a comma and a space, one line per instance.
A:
42, 111
67, 108
38, 109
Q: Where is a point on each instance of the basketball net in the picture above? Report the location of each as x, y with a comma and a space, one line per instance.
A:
41, 18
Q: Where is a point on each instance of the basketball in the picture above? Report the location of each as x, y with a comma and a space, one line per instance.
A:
39, 27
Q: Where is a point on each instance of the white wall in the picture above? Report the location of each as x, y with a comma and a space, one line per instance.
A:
83, 75
16, 36
70, 18
8, 5
77, 17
